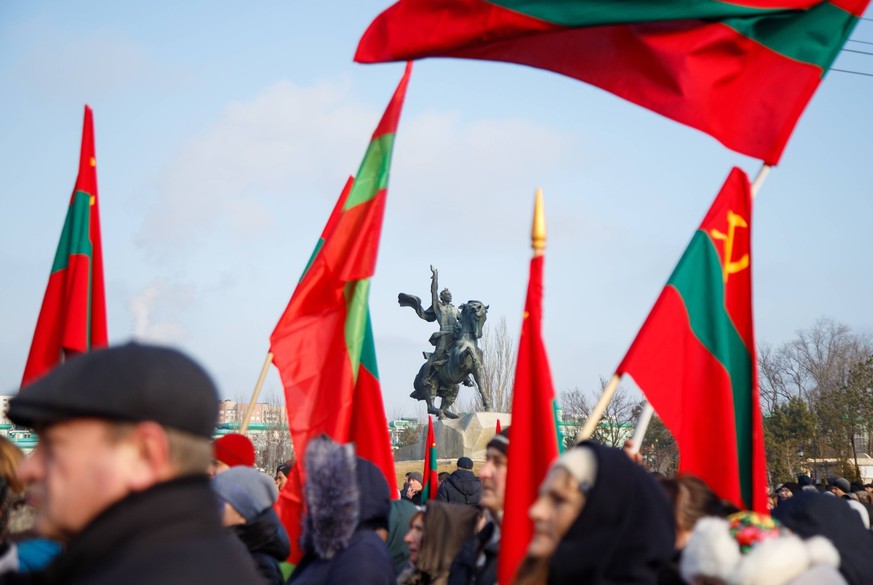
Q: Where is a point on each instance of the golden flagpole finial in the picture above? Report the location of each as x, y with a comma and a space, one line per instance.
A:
538, 231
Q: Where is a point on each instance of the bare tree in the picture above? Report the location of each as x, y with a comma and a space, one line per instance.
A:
618, 419
817, 368
498, 361
272, 438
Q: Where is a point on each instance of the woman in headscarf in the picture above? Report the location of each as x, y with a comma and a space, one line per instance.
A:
600, 519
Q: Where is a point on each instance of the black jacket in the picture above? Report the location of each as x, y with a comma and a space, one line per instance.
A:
465, 568
461, 487
169, 534
267, 542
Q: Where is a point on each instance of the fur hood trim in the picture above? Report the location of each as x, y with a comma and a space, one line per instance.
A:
332, 497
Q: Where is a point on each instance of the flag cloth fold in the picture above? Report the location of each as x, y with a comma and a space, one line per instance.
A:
72, 319
323, 343
535, 440
741, 71
694, 357
431, 479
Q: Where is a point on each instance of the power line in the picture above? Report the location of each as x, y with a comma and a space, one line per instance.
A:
852, 72
856, 51
862, 42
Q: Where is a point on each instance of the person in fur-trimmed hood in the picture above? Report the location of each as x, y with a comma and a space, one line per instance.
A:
340, 540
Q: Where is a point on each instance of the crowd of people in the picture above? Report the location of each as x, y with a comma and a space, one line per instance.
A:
128, 486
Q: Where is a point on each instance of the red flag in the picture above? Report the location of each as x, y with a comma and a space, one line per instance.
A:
323, 343
497, 428
72, 319
535, 441
741, 71
431, 479
694, 357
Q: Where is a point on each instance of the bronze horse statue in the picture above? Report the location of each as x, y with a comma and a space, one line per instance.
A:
441, 374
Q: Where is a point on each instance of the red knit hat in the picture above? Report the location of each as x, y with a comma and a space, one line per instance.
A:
234, 449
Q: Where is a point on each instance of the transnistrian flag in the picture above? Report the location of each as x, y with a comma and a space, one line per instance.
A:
535, 439
431, 479
72, 319
694, 357
323, 343
741, 71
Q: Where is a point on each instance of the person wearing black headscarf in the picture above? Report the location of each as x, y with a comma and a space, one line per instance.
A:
808, 514
624, 533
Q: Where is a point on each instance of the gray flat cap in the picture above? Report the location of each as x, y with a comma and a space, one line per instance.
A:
131, 382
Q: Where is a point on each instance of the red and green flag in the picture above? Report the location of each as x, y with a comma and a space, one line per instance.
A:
72, 319
741, 71
536, 439
431, 479
694, 357
323, 343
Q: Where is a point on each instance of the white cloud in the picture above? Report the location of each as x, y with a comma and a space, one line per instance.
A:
157, 311
282, 142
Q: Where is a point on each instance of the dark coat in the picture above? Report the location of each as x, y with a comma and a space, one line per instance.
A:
364, 560
808, 514
465, 570
340, 543
461, 487
169, 534
267, 542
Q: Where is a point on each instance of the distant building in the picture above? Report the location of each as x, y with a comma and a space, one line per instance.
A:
397, 426
231, 411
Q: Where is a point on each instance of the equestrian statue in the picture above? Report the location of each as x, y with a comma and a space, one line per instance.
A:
456, 358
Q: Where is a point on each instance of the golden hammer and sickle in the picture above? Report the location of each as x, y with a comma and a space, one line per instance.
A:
730, 266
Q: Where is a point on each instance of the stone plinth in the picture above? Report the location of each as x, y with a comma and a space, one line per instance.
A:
464, 436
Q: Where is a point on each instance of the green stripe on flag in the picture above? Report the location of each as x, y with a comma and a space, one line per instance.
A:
558, 432
75, 236
373, 174
318, 245
605, 12
809, 38
699, 281
368, 349
357, 294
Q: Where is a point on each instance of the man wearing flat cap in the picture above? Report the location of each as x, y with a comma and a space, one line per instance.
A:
120, 471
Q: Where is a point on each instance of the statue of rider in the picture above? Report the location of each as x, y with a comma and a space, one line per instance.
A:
443, 312
448, 316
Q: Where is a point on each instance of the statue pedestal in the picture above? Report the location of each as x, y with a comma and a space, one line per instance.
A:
466, 436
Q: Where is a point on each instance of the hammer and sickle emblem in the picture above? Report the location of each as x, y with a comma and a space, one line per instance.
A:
731, 266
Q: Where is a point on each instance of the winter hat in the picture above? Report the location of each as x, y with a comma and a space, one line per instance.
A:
581, 463
500, 441
247, 490
125, 383
751, 549
465, 463
843, 484
234, 449
416, 476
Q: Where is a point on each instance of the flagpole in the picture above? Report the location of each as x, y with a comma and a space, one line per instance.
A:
759, 180
538, 229
251, 407
599, 408
648, 411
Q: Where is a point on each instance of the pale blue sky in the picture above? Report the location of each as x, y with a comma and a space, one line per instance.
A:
225, 133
